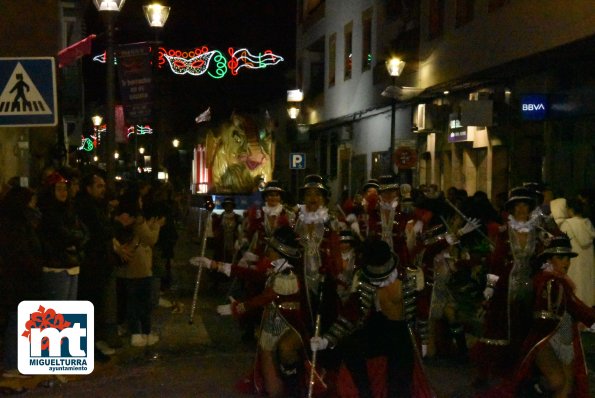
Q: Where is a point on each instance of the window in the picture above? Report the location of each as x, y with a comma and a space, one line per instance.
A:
464, 12
436, 19
348, 53
332, 58
367, 40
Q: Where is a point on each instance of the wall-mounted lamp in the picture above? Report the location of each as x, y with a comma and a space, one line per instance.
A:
395, 66
294, 98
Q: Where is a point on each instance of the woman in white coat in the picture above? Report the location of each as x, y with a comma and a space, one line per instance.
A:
582, 268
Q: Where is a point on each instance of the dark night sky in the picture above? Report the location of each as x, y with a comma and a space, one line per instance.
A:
255, 24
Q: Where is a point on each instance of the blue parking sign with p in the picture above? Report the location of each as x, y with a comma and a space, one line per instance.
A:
297, 161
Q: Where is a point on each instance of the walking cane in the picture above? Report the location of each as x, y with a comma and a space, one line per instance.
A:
316, 334
203, 248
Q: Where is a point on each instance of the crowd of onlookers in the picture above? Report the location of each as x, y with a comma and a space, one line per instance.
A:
75, 238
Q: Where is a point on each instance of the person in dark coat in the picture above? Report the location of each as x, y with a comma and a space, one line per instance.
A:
62, 237
20, 263
97, 279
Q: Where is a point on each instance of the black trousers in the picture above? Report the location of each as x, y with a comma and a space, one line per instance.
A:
381, 337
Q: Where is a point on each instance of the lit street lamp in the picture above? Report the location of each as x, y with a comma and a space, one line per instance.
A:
175, 143
394, 66
109, 10
156, 16
97, 120
294, 98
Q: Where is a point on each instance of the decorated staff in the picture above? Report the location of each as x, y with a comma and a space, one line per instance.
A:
209, 208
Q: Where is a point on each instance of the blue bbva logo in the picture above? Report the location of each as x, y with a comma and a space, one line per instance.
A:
534, 107
56, 337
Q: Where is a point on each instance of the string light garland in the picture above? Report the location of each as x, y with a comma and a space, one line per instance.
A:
214, 63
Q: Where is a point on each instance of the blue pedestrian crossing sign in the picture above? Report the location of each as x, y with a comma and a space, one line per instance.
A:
297, 161
28, 95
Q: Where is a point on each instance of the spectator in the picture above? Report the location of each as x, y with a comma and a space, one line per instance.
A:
63, 236
582, 269
20, 267
97, 280
136, 254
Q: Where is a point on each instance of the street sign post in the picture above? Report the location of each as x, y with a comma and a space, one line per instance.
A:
28, 96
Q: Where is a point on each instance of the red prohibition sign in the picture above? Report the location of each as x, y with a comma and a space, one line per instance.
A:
405, 157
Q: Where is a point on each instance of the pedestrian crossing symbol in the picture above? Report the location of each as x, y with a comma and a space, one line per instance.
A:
27, 92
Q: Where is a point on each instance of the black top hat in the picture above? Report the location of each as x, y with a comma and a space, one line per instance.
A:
536, 189
379, 261
272, 186
346, 236
387, 183
284, 241
372, 183
315, 181
557, 245
228, 201
520, 194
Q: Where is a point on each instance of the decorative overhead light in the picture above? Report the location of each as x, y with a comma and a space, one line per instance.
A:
395, 66
97, 120
116, 155
109, 5
175, 143
141, 150
156, 14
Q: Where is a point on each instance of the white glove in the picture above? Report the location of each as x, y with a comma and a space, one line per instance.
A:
351, 218
224, 309
451, 239
201, 262
471, 225
488, 292
355, 228
250, 257
318, 343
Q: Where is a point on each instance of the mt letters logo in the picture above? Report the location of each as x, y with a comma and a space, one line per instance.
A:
56, 337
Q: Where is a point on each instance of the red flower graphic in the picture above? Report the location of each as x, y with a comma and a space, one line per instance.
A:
43, 319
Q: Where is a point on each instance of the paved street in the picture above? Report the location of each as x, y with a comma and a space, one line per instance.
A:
205, 359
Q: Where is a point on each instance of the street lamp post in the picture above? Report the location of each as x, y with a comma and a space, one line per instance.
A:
109, 9
156, 16
394, 66
97, 120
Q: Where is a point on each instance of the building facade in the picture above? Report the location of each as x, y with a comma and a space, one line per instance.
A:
494, 92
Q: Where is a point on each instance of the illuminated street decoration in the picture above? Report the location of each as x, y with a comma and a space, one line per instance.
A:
139, 130
101, 58
243, 58
214, 63
194, 62
86, 144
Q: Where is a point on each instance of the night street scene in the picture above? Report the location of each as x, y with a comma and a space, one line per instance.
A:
297, 198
